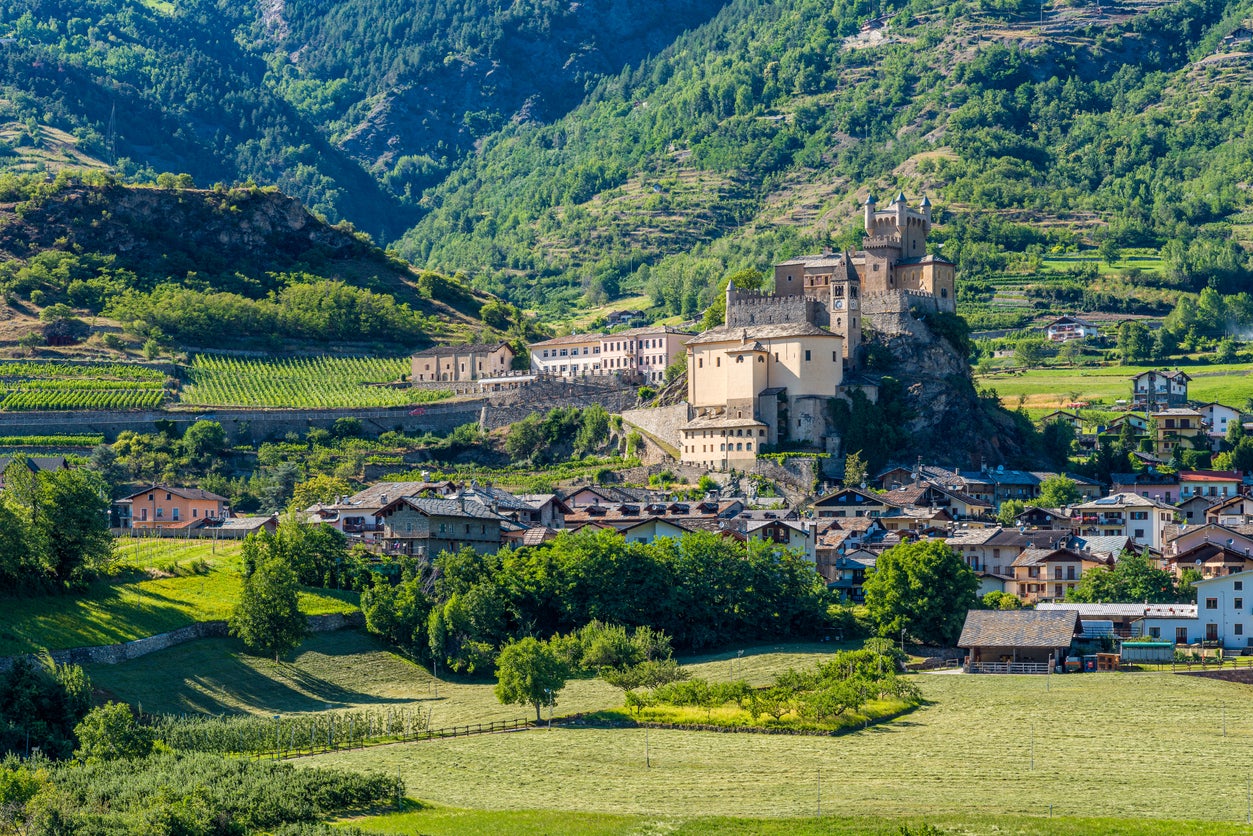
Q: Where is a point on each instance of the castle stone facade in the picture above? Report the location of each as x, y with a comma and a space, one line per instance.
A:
766, 374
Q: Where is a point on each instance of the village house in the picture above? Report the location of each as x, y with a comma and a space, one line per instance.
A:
1211, 559
1033, 517
1149, 483
1048, 574
1213, 484
1181, 538
426, 527
168, 507
850, 502
1125, 514
1178, 427
461, 362
357, 515
1067, 328
846, 574
1155, 621
1155, 390
1194, 509
1224, 608
1218, 419
1238, 510
1070, 418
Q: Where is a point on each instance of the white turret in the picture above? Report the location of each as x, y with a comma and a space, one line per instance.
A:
870, 214
925, 206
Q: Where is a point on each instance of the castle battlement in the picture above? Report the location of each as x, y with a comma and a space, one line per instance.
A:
877, 241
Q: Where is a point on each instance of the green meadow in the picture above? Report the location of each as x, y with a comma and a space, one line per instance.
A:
161, 585
1004, 750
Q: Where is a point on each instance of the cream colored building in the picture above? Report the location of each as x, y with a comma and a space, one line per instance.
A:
461, 362
644, 351
765, 387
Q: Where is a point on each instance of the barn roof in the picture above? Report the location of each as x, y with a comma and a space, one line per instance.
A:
1019, 628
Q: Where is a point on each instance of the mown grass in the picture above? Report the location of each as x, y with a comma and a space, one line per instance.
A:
435, 820
1108, 745
1051, 388
139, 604
350, 669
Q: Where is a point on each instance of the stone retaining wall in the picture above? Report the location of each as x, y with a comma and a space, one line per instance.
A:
112, 654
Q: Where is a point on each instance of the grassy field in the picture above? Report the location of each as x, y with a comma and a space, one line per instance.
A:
1109, 745
300, 382
1051, 388
160, 589
349, 669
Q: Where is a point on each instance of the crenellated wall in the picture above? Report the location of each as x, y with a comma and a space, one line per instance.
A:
746, 308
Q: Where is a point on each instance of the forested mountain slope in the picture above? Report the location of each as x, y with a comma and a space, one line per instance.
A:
755, 137
354, 107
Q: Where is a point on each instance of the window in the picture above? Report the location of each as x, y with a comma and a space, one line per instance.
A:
160, 513
1239, 586
174, 514
1237, 603
1239, 629
195, 512
834, 357
1155, 632
1211, 603
806, 355
143, 514
167, 496
1181, 635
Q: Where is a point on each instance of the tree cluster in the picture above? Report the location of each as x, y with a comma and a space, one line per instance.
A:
54, 529
701, 589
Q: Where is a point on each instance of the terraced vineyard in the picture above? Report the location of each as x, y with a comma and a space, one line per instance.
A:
61, 386
301, 382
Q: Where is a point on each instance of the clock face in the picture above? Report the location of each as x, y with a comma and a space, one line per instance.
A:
839, 303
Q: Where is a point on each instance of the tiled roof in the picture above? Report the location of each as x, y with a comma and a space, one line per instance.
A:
716, 422
185, 493
1019, 628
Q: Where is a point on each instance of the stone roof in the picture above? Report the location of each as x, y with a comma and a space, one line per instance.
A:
716, 422
376, 496
443, 508
457, 350
741, 333
1019, 628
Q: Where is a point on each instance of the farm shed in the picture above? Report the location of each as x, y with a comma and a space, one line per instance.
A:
1017, 641
1138, 652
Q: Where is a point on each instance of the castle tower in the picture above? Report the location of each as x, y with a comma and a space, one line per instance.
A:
843, 308
869, 214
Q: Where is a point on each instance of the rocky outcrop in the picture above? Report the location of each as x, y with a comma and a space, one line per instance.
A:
948, 422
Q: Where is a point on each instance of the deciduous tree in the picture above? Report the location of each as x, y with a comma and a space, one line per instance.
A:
923, 589
529, 672
268, 617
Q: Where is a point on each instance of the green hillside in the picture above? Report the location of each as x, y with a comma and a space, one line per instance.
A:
559, 154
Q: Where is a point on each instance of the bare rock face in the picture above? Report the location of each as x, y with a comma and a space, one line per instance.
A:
948, 422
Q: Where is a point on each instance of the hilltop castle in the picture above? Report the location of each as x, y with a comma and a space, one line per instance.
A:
765, 375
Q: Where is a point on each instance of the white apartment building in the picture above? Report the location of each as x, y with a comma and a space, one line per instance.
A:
1125, 514
645, 351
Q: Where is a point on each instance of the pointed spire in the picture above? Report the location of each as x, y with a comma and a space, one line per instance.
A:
900, 198
870, 199
926, 201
